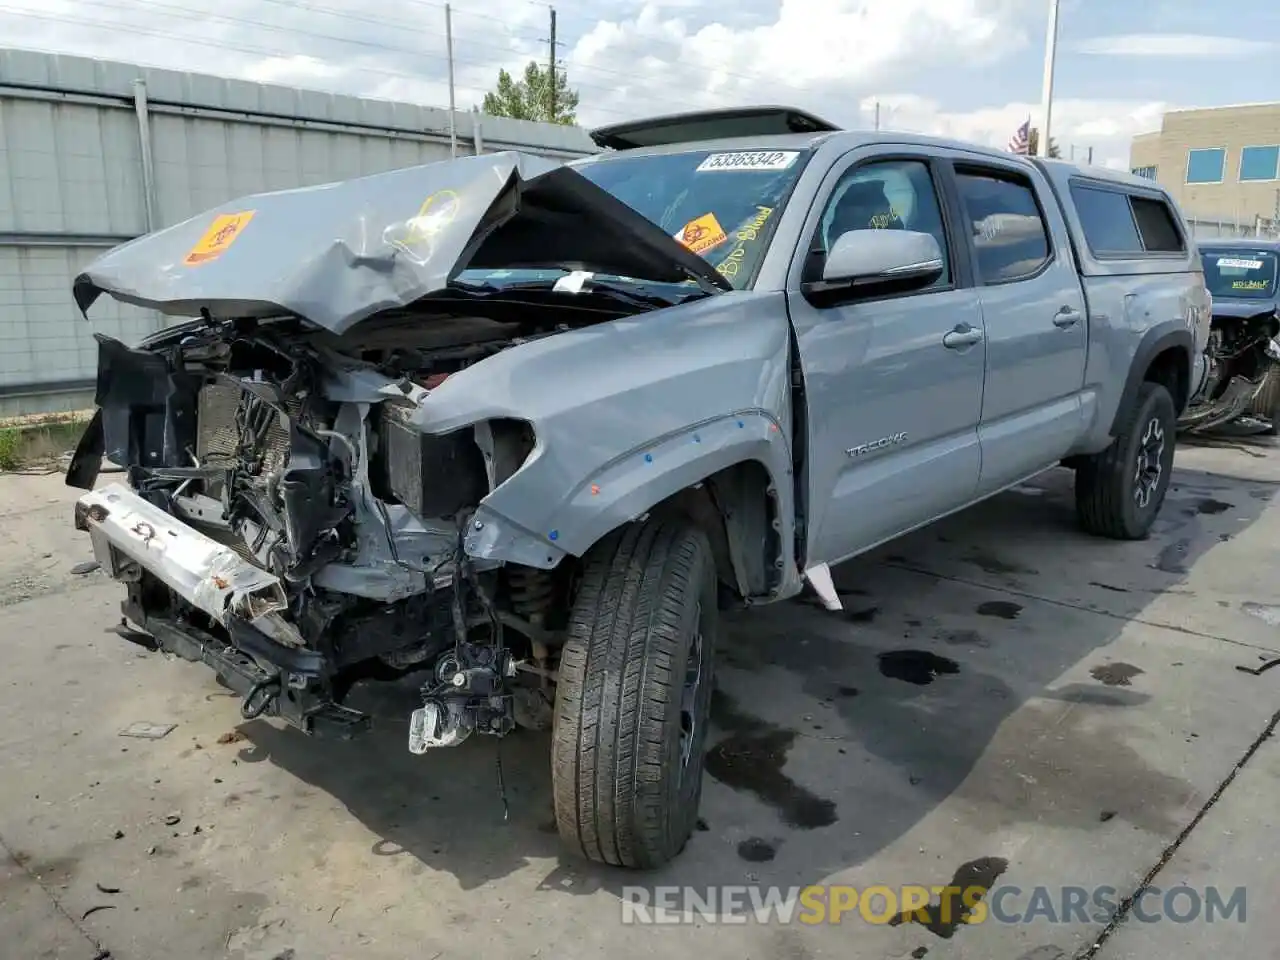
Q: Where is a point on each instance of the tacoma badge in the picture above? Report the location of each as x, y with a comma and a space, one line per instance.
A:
890, 441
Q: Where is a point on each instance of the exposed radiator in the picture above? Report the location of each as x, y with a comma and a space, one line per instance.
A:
218, 437
218, 441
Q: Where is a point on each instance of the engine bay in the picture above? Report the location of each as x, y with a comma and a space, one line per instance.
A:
290, 447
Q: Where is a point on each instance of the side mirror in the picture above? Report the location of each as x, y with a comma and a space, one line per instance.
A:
863, 262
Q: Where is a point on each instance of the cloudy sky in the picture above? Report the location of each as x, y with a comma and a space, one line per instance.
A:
965, 68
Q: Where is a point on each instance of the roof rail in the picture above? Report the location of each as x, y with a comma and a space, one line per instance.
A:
757, 121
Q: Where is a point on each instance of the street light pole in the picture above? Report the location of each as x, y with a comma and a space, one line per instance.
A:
453, 121
1046, 89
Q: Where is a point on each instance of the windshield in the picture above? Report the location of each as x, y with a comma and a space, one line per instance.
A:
721, 205
1239, 273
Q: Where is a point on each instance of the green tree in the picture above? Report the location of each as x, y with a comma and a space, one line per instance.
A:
531, 97
1033, 145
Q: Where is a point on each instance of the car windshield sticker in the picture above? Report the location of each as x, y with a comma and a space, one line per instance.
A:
749, 231
702, 234
1249, 284
752, 160
1239, 264
220, 235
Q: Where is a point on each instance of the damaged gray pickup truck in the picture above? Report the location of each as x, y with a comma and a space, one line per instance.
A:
521, 430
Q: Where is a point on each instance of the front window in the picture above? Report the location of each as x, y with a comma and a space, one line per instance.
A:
722, 205
1239, 273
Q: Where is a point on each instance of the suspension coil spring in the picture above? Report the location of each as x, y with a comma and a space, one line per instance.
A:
532, 592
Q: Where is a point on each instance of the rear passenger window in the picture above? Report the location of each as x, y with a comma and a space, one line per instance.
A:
1160, 233
1118, 223
1009, 232
1107, 220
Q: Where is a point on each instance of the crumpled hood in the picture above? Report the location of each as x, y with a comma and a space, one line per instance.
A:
338, 253
1242, 307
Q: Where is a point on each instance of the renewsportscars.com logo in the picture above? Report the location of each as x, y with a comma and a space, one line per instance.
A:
930, 906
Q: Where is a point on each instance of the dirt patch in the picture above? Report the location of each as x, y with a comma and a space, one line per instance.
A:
33, 442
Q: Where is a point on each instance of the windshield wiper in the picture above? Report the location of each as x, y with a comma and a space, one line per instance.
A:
616, 290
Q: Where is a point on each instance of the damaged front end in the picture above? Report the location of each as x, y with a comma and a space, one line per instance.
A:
1242, 380
282, 524
284, 519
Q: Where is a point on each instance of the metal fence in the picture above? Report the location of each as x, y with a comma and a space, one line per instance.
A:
1203, 228
93, 153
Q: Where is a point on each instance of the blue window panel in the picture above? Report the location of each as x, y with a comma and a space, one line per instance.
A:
1205, 166
1259, 163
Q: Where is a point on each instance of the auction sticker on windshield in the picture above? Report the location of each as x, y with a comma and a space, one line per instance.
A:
1239, 264
749, 160
702, 234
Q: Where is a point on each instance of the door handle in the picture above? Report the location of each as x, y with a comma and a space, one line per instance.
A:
1066, 317
962, 336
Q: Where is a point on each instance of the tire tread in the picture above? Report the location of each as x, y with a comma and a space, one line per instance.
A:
617, 684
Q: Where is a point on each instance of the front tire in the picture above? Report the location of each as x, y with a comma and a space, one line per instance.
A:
1119, 492
634, 695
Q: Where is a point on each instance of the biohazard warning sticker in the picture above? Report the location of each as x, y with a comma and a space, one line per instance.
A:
220, 235
702, 234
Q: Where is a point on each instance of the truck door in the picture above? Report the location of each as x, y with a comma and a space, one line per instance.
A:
1034, 312
893, 381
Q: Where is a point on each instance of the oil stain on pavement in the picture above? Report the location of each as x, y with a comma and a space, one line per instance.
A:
751, 759
756, 850
1115, 674
970, 883
1210, 506
1003, 609
915, 666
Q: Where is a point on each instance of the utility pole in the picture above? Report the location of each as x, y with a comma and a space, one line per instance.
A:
1090, 160
552, 118
877, 114
453, 123
1046, 90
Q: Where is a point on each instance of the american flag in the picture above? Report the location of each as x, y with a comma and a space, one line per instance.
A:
1021, 139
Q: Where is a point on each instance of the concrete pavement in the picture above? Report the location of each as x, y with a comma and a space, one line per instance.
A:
1004, 700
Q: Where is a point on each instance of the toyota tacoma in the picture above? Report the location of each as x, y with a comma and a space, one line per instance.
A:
521, 429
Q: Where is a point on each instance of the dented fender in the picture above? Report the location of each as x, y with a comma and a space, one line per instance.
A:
624, 415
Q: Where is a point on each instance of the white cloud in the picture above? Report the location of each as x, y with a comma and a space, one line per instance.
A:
626, 59
295, 70
819, 51
1107, 126
1174, 45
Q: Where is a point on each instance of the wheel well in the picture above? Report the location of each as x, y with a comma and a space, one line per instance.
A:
737, 508
1171, 368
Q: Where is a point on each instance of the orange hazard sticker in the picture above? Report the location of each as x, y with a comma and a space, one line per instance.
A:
702, 234
220, 235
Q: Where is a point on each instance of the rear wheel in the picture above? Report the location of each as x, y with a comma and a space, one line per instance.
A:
1119, 491
634, 694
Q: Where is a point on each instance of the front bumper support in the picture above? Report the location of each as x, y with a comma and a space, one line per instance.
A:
129, 533
310, 713
265, 660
